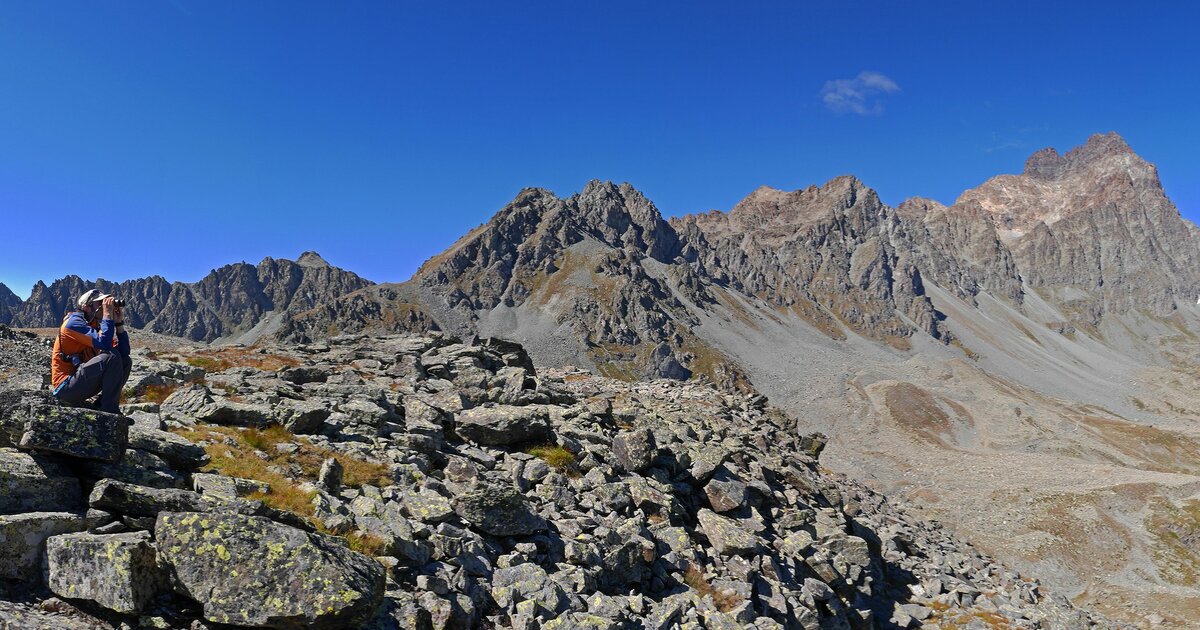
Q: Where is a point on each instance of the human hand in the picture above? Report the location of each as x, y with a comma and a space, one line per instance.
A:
107, 307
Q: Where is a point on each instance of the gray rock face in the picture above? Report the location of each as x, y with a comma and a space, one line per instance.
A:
503, 424
23, 538
34, 483
1093, 230
117, 571
225, 487
252, 571
301, 416
125, 498
499, 511
330, 475
527, 583
80, 433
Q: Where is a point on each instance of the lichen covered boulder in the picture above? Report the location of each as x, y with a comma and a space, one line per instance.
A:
23, 538
252, 571
81, 433
117, 571
499, 511
33, 483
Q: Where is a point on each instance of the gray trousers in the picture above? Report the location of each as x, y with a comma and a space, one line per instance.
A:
105, 374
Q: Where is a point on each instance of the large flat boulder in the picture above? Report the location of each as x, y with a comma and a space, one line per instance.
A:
138, 467
23, 541
15, 403
499, 511
189, 405
117, 571
502, 425
76, 432
133, 500
175, 449
252, 571
30, 482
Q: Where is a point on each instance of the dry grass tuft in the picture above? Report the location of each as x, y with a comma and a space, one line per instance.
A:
366, 543
234, 452
157, 393
221, 359
556, 457
725, 601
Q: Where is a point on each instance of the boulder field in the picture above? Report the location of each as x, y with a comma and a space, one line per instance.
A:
502, 497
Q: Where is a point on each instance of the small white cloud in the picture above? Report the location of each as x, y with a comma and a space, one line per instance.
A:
859, 95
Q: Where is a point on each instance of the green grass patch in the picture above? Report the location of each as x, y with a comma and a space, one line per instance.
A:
556, 457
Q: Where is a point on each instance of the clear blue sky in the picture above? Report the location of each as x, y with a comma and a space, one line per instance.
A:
192, 134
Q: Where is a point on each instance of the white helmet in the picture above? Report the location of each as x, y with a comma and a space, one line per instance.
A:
89, 296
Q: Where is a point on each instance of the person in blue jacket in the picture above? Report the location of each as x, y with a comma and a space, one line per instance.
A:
91, 353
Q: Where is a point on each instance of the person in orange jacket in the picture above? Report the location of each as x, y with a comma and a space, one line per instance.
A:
91, 353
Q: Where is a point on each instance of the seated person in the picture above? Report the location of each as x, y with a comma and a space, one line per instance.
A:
91, 353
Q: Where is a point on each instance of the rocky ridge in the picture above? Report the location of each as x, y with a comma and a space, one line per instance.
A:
511, 498
230, 300
607, 283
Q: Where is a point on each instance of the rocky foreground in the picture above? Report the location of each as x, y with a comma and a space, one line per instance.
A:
422, 482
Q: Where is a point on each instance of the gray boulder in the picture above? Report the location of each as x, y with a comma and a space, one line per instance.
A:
33, 483
499, 511
81, 433
251, 571
528, 582
726, 535
726, 492
134, 500
117, 571
226, 487
301, 416
634, 450
138, 467
190, 405
503, 425
175, 449
23, 537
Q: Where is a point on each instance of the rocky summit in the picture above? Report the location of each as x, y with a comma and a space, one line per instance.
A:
448, 484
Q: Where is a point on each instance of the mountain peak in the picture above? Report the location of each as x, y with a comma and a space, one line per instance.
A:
312, 259
1048, 164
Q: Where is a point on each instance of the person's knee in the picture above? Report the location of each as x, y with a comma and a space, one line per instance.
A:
113, 361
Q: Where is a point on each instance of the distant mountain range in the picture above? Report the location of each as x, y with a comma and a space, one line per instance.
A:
1024, 363
228, 301
601, 279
